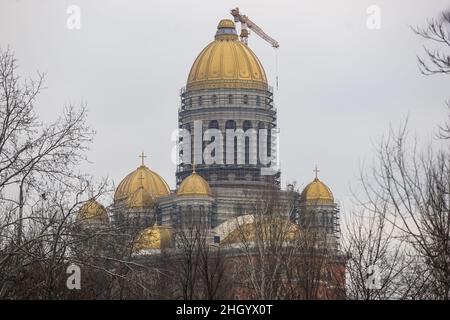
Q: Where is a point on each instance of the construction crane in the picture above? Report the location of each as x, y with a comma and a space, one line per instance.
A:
247, 24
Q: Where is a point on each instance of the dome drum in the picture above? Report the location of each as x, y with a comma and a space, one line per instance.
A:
213, 99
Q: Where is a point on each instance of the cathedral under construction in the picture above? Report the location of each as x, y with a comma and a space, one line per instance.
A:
227, 168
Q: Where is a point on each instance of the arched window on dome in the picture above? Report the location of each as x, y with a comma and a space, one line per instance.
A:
261, 126
245, 99
185, 149
230, 99
230, 124
246, 126
190, 102
189, 144
214, 99
213, 124
202, 218
200, 100
258, 100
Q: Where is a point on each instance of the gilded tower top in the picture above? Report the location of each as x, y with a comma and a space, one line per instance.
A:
142, 184
227, 63
317, 192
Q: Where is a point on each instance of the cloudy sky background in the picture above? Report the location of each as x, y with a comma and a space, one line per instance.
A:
340, 84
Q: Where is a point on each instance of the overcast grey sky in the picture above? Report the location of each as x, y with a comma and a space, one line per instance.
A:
340, 84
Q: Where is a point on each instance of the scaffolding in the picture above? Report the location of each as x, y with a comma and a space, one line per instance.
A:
320, 216
247, 108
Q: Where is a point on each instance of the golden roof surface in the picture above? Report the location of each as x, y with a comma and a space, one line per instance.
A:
265, 231
144, 178
141, 198
92, 210
227, 63
194, 185
317, 192
156, 237
226, 23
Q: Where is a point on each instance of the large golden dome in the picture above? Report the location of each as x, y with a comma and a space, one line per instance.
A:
194, 185
227, 63
156, 237
317, 192
92, 210
144, 178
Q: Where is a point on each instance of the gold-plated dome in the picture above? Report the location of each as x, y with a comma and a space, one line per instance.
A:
194, 185
317, 192
141, 198
227, 63
144, 178
250, 232
156, 237
226, 23
92, 210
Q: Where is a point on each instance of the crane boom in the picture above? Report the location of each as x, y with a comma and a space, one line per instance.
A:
246, 22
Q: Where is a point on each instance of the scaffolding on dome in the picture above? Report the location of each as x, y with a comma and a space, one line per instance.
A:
232, 102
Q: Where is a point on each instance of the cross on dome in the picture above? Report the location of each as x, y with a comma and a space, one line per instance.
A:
316, 171
142, 156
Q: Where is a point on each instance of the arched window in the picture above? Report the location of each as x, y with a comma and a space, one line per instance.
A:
213, 124
214, 99
245, 99
261, 126
230, 124
247, 125
200, 100
230, 99
190, 145
258, 100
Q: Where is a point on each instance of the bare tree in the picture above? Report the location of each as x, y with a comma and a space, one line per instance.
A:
276, 258
408, 197
197, 266
377, 259
437, 30
40, 189
437, 60
259, 241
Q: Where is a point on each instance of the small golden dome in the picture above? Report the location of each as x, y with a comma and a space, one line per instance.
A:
140, 199
156, 237
144, 178
92, 210
227, 63
194, 185
317, 192
226, 23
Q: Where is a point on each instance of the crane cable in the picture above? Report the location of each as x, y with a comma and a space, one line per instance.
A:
276, 66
